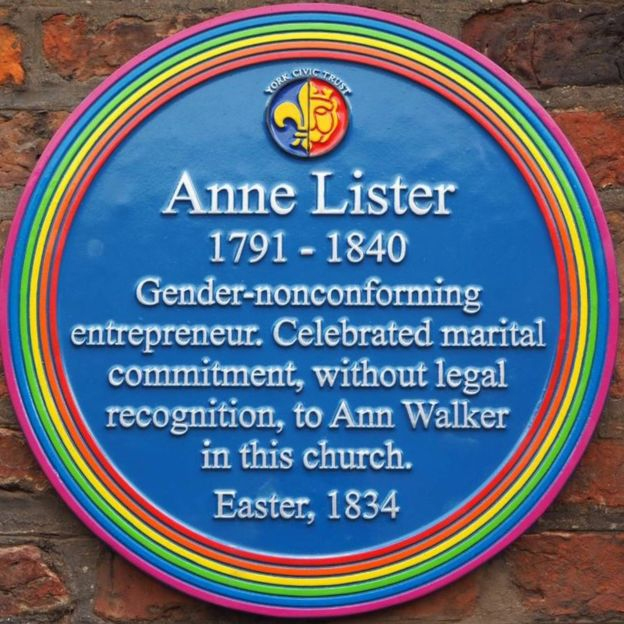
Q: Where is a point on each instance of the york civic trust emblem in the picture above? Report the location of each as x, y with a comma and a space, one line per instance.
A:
308, 117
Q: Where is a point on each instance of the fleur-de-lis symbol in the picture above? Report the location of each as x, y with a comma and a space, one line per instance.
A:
315, 116
298, 114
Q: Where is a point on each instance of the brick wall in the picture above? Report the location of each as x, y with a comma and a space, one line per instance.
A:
570, 565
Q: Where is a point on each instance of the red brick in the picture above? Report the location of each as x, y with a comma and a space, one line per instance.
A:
77, 48
4, 233
572, 575
612, 420
18, 469
455, 602
125, 594
598, 137
5, 226
615, 221
554, 43
599, 478
23, 137
11, 68
616, 390
27, 585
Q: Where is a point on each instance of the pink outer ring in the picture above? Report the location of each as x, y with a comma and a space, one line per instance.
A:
556, 485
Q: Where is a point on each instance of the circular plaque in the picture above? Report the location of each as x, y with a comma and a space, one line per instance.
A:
309, 310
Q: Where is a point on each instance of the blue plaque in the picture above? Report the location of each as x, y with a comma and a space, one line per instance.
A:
309, 310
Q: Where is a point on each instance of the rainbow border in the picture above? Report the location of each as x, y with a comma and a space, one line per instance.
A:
345, 583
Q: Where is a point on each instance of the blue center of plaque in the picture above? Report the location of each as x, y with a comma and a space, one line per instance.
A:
494, 239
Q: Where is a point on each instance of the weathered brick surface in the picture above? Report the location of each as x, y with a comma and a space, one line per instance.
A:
28, 586
598, 137
11, 67
599, 477
612, 421
579, 576
6, 415
615, 221
26, 515
18, 469
616, 390
3, 387
75, 47
5, 226
23, 136
125, 594
546, 44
